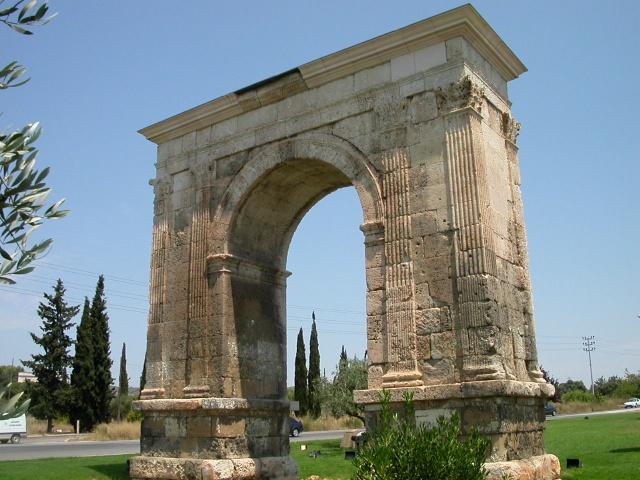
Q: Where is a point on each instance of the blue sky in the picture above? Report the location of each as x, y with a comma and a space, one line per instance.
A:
102, 70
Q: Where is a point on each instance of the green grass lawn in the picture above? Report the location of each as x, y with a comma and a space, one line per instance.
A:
84, 468
330, 463
608, 445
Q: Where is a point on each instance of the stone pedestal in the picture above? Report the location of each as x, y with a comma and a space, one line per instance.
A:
509, 413
214, 438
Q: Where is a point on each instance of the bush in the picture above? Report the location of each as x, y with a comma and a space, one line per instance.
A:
398, 449
120, 405
578, 396
134, 416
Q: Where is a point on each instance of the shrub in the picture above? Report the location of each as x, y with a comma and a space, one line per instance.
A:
578, 396
120, 406
134, 416
398, 449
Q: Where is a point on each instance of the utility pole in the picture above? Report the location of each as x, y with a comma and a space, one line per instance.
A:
589, 346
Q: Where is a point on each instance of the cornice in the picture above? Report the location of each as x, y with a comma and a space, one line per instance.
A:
464, 21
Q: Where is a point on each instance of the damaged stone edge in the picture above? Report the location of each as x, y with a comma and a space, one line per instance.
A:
230, 405
485, 388
142, 467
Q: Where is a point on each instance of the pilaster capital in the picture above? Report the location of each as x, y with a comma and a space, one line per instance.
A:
373, 233
227, 263
459, 95
510, 128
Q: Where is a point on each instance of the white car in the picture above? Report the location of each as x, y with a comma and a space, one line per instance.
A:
632, 403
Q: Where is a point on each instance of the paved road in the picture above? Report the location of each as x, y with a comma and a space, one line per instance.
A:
29, 449
594, 414
68, 446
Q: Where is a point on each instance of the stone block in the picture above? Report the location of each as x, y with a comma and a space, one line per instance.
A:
438, 371
375, 302
199, 426
375, 278
229, 427
423, 108
372, 77
443, 345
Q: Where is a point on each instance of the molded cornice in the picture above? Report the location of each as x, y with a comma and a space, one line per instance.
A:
464, 21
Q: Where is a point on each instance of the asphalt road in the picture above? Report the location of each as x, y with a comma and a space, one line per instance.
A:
67, 446
29, 449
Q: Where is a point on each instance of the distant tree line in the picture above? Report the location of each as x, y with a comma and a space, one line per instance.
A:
86, 394
614, 387
317, 394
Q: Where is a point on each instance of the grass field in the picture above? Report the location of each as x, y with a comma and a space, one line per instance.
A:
85, 468
607, 445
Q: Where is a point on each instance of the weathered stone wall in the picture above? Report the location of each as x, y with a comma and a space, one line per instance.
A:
426, 137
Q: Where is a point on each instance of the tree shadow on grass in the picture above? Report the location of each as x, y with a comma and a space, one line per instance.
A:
114, 471
625, 450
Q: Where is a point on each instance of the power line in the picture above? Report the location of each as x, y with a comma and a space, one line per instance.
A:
34, 293
80, 271
118, 293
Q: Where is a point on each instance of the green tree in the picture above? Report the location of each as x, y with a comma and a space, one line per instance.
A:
123, 378
101, 353
83, 405
300, 392
571, 385
607, 387
351, 375
122, 401
23, 191
313, 403
9, 373
629, 386
50, 395
143, 375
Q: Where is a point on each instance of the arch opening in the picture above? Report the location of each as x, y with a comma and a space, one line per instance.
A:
260, 212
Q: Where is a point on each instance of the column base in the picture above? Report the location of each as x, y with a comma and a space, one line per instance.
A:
166, 468
541, 467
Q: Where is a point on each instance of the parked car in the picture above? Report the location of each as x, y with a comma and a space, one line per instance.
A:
13, 429
632, 403
295, 427
550, 409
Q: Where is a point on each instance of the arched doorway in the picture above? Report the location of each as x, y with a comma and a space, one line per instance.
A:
262, 210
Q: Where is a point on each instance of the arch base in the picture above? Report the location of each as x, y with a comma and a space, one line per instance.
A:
214, 438
276, 468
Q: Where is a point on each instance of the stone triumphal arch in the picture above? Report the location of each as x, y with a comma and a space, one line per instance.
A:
419, 122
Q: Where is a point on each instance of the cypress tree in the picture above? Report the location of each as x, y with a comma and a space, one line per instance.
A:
83, 407
314, 370
123, 378
300, 387
101, 353
143, 375
343, 357
50, 396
